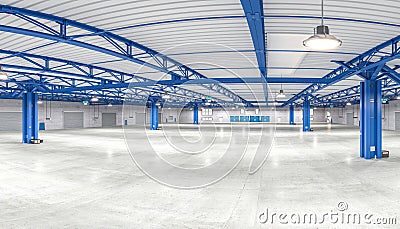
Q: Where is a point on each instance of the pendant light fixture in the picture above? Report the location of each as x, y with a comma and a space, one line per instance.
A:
281, 94
3, 75
166, 96
322, 40
94, 99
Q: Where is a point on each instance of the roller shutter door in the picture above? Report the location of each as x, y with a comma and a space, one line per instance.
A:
73, 120
140, 119
160, 120
10, 121
350, 119
109, 119
397, 120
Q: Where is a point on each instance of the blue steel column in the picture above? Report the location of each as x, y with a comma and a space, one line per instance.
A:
306, 115
153, 116
291, 115
195, 115
30, 124
371, 119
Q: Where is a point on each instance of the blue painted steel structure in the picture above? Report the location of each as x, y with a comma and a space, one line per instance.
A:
254, 14
98, 80
291, 115
196, 115
306, 115
383, 53
254, 11
390, 90
153, 115
30, 124
51, 77
93, 81
370, 119
123, 48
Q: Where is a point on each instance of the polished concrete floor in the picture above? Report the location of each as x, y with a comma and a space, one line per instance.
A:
87, 178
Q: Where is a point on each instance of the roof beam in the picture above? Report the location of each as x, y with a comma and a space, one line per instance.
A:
50, 77
254, 12
389, 88
392, 74
357, 65
212, 81
117, 41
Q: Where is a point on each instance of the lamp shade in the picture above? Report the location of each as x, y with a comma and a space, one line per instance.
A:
322, 40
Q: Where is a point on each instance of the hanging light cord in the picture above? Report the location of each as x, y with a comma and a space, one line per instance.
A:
322, 12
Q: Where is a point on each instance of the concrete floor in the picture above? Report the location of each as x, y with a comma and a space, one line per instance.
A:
86, 178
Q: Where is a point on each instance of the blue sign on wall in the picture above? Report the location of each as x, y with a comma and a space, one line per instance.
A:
244, 118
255, 119
42, 126
250, 118
265, 119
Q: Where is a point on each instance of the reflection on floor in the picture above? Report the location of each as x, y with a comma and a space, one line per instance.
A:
86, 178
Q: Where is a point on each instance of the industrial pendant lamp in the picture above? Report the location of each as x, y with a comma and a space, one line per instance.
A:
94, 99
166, 96
322, 40
3, 75
281, 94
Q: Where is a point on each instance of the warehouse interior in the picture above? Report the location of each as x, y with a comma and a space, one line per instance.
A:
199, 114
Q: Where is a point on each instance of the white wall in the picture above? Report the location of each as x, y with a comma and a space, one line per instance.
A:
388, 114
92, 114
276, 116
339, 115
169, 115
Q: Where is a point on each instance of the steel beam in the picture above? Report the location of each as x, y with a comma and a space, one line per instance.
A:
370, 119
30, 125
153, 115
122, 47
195, 115
291, 115
359, 65
390, 90
306, 115
254, 11
190, 82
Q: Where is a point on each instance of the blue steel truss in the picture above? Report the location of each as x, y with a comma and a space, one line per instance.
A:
48, 74
390, 90
55, 75
367, 64
123, 48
